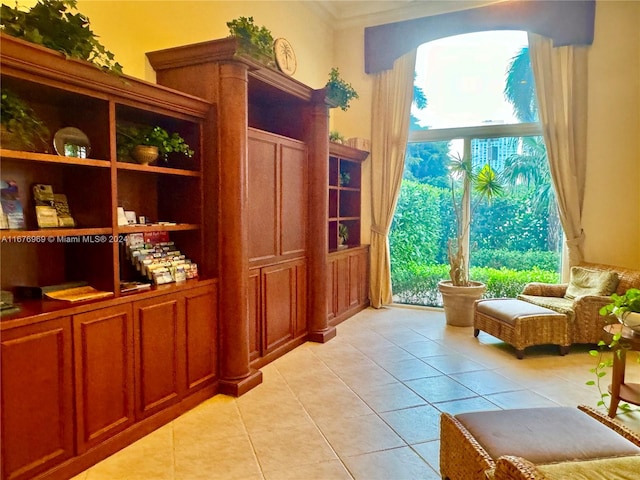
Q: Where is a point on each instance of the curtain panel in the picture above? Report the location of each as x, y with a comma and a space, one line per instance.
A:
561, 84
391, 108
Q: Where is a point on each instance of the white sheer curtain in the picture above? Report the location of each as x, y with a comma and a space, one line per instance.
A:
392, 97
561, 83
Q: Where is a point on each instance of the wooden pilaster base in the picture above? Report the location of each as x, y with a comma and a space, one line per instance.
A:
236, 388
323, 336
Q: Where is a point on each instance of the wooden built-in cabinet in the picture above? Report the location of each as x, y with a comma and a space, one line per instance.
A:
82, 380
348, 275
273, 153
37, 398
345, 182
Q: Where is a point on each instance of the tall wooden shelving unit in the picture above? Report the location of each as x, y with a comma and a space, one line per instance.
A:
82, 380
272, 142
348, 275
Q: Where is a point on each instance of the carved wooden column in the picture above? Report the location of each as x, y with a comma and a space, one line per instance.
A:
317, 138
236, 376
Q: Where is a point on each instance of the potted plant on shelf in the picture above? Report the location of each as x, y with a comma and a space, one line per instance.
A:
339, 92
255, 41
459, 292
344, 178
146, 144
335, 137
21, 127
343, 235
52, 24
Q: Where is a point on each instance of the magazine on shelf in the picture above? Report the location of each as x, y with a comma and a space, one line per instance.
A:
126, 287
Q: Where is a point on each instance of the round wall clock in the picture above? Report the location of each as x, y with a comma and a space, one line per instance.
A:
285, 56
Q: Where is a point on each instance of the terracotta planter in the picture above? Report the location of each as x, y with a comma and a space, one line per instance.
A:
458, 302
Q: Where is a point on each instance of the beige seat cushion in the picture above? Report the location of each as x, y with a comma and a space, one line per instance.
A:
510, 309
545, 435
619, 468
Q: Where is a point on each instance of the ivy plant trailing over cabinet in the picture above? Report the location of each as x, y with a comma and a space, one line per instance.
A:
81, 380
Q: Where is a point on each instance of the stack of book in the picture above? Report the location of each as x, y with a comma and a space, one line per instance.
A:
158, 259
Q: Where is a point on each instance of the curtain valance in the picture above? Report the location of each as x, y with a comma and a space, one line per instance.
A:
565, 22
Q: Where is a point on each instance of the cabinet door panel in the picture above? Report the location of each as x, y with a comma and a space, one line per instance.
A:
262, 215
354, 279
363, 279
37, 398
159, 350
279, 298
201, 308
301, 298
332, 304
255, 314
342, 284
103, 348
294, 199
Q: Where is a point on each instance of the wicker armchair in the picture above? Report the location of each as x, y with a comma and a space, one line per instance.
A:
463, 457
585, 321
517, 468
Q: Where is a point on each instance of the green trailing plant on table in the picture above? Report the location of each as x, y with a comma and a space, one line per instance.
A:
53, 24
339, 91
620, 306
256, 41
19, 120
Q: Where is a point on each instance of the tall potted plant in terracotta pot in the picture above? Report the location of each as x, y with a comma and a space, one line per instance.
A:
459, 292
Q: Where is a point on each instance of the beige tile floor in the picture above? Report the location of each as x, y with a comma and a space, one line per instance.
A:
365, 405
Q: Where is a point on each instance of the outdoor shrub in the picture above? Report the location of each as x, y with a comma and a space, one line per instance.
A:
416, 230
512, 260
417, 284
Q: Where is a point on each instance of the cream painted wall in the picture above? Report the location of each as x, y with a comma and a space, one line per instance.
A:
611, 220
611, 216
129, 28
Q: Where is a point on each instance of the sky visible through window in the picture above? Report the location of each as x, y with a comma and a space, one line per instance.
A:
470, 92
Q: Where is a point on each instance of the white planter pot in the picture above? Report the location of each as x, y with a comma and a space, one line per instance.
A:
458, 302
631, 320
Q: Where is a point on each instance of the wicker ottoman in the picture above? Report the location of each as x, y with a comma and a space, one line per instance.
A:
521, 324
471, 443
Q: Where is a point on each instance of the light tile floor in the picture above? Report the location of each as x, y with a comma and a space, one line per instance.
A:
365, 405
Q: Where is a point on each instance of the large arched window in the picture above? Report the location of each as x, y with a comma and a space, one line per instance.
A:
475, 98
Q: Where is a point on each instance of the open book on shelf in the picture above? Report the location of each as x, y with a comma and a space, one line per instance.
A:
77, 294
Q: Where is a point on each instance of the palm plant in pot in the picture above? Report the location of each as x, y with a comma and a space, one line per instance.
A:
459, 292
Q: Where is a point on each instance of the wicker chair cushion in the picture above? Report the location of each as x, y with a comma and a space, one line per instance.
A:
561, 305
620, 468
545, 435
510, 309
617, 468
585, 281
